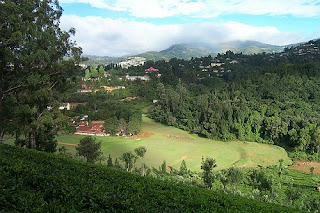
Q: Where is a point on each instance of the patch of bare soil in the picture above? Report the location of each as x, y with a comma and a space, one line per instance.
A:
306, 165
141, 134
185, 157
147, 134
264, 147
179, 137
70, 144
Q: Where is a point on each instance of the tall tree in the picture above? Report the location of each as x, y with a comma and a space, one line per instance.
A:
109, 161
122, 125
111, 125
207, 165
234, 175
87, 74
89, 148
183, 168
101, 71
94, 71
141, 151
33, 69
129, 159
134, 124
163, 167
280, 170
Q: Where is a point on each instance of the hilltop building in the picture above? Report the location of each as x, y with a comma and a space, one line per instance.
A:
132, 61
134, 78
151, 69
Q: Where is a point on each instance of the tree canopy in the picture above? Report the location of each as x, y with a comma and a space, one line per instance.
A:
36, 60
89, 148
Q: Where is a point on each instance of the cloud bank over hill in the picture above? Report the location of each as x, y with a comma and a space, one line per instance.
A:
118, 37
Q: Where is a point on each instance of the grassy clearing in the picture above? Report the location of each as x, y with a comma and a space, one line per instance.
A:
174, 145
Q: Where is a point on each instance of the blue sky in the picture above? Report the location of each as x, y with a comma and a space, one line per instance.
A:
122, 27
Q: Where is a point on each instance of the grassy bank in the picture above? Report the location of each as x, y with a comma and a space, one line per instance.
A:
34, 181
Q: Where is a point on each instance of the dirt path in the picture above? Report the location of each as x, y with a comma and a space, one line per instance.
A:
70, 144
306, 165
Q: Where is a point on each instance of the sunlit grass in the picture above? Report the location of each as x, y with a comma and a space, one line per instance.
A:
174, 145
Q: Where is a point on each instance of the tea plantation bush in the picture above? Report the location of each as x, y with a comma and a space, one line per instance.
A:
32, 181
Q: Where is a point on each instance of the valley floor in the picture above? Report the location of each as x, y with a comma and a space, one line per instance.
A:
174, 145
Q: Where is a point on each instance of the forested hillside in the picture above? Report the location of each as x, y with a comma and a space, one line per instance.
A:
269, 98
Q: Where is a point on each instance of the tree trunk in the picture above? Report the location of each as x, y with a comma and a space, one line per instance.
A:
32, 140
26, 140
1, 111
142, 169
1, 135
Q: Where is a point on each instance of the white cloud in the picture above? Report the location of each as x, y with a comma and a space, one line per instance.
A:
108, 37
304, 8
207, 8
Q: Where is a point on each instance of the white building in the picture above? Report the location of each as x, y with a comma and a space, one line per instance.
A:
142, 78
132, 61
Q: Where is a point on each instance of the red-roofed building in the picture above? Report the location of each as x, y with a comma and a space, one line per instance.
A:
151, 69
96, 129
83, 123
84, 129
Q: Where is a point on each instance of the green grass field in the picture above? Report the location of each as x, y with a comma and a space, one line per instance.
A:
174, 145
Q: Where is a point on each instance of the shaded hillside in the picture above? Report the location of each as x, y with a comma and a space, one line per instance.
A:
186, 51
180, 51
92, 59
153, 56
33, 181
249, 47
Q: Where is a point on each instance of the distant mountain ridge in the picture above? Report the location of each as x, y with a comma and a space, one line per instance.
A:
187, 51
249, 47
93, 59
181, 51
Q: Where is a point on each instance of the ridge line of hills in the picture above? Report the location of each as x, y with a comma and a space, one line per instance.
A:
188, 50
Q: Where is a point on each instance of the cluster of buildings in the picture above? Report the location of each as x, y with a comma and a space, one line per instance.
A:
132, 61
85, 89
94, 128
217, 66
309, 48
144, 77
138, 77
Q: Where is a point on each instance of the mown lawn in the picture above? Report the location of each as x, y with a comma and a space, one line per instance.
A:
174, 145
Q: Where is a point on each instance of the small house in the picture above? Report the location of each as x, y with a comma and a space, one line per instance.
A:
151, 69
66, 106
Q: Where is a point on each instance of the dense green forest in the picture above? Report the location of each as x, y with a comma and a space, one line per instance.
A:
263, 100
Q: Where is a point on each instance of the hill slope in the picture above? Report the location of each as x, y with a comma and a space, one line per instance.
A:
187, 51
181, 51
33, 181
249, 47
